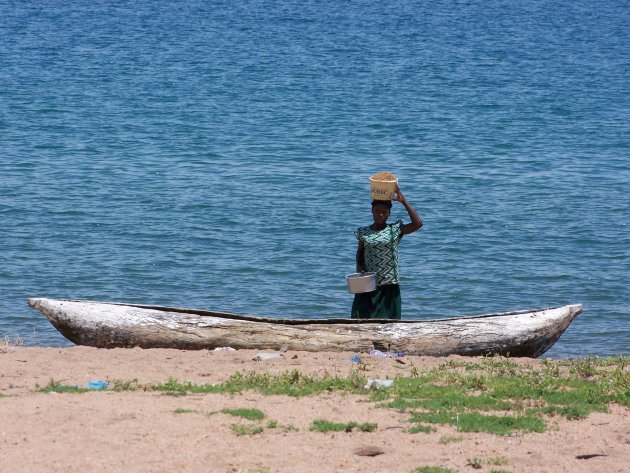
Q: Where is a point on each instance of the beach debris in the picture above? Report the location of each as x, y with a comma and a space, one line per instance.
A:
379, 383
355, 359
97, 385
588, 456
380, 354
224, 349
368, 451
267, 356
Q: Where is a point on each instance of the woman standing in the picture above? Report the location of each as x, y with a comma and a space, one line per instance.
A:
378, 253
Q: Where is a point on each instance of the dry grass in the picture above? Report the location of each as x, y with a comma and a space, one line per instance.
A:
8, 345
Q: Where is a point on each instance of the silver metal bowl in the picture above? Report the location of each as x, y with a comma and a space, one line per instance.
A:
361, 282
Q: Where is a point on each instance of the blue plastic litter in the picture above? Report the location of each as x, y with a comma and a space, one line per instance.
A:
97, 385
355, 358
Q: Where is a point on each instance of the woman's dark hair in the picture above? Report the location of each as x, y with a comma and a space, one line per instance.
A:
385, 203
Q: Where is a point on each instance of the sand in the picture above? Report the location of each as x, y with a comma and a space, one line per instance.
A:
140, 431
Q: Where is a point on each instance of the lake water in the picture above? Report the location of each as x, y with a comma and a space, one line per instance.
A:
217, 154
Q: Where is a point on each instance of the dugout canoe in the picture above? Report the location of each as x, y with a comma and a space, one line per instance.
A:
528, 333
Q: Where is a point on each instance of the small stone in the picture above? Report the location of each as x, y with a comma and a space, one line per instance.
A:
368, 451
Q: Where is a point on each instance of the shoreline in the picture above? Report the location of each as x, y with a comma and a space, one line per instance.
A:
148, 430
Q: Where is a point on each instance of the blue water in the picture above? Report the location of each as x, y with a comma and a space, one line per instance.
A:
217, 155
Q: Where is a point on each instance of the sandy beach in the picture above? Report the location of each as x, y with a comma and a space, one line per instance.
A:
150, 431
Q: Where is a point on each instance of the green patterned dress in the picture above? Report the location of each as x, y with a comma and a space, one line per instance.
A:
381, 257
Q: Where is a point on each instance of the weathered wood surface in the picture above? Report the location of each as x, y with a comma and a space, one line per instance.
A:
109, 325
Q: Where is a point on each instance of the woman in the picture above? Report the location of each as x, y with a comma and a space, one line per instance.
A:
378, 253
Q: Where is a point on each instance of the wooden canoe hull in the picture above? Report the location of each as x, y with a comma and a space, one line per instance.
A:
110, 325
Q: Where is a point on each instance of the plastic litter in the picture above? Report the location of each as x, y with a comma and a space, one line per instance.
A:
224, 349
380, 354
97, 385
355, 359
379, 383
267, 356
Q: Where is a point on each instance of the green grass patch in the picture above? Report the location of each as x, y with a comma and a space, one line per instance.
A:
243, 429
327, 426
499, 396
126, 385
56, 387
432, 469
497, 461
427, 429
182, 410
445, 439
478, 422
249, 414
291, 383
418, 393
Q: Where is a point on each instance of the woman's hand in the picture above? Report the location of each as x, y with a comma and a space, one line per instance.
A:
399, 195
